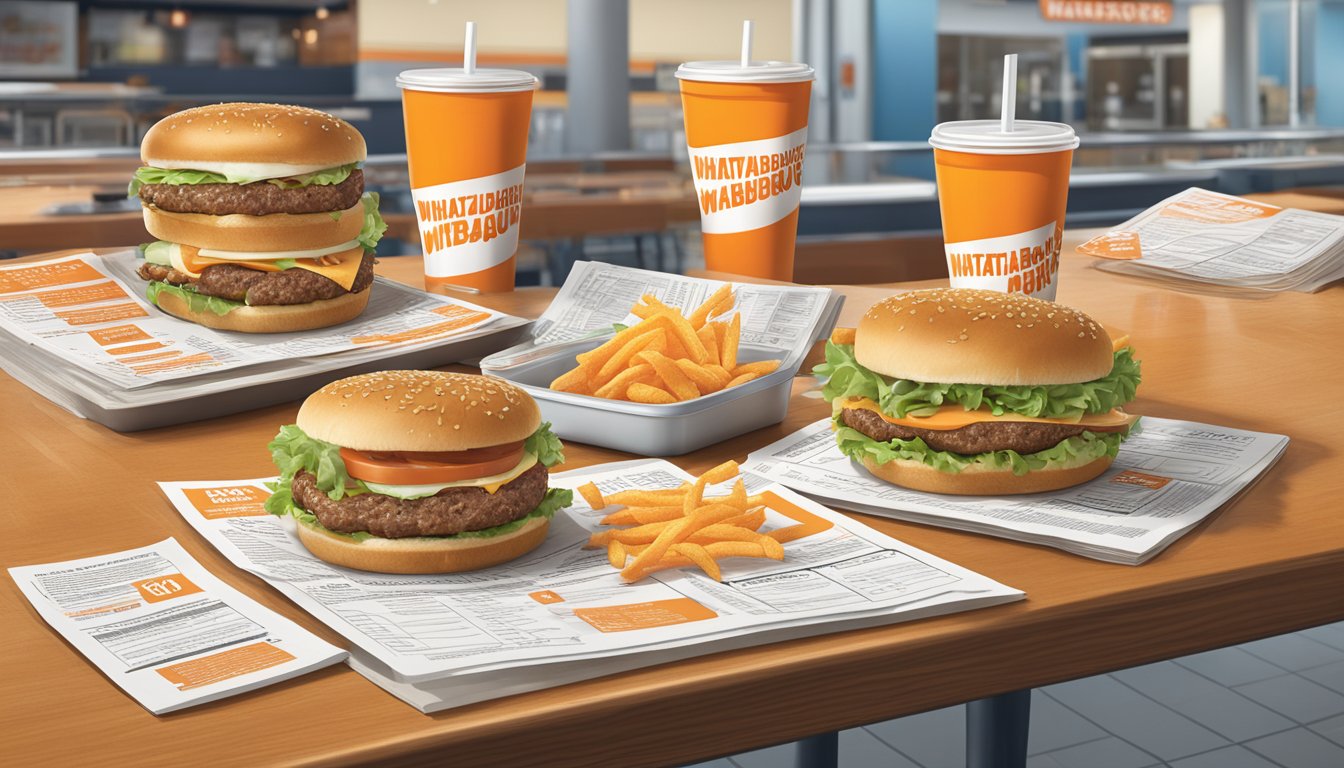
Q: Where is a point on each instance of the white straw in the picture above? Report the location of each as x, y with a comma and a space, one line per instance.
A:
746, 43
469, 51
1008, 108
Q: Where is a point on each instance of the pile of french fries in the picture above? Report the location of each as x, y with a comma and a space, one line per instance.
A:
679, 527
667, 357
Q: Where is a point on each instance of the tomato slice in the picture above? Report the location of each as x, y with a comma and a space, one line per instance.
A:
421, 468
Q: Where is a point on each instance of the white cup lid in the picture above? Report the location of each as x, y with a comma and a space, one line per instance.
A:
985, 137
456, 80
755, 72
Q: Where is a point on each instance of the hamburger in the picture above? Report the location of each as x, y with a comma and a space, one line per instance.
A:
417, 472
964, 391
261, 217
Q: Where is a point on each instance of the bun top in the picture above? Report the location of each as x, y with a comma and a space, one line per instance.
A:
253, 134
971, 336
419, 411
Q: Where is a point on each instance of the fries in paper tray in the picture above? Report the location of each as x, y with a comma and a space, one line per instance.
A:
659, 365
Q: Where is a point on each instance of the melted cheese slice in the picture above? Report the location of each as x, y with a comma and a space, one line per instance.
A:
955, 417
490, 484
341, 267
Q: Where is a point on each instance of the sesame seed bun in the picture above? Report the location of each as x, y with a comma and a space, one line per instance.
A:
979, 481
971, 336
419, 411
423, 555
224, 137
240, 232
271, 318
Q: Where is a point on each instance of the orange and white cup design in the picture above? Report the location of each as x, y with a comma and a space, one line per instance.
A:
466, 147
746, 133
1002, 197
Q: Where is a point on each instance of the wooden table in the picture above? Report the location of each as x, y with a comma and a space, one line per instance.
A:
1270, 562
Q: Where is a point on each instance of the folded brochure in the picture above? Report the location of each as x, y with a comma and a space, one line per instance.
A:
562, 613
1168, 476
1235, 242
165, 630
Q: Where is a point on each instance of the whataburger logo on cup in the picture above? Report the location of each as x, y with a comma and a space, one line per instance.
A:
1022, 263
470, 225
1002, 195
749, 184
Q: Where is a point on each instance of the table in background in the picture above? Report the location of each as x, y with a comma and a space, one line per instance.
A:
1269, 563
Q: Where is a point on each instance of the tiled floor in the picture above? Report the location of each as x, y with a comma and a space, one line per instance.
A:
1273, 702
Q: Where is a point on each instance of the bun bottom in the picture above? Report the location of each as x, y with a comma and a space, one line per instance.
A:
272, 318
984, 482
423, 555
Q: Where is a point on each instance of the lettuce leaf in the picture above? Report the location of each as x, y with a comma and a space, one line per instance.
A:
545, 446
1070, 452
150, 175
198, 302
374, 226
902, 397
157, 253
293, 450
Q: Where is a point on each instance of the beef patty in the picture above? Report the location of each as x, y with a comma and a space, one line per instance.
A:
257, 288
981, 437
450, 511
259, 198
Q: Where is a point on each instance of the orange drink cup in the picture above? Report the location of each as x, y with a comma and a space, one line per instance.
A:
746, 131
1002, 197
466, 145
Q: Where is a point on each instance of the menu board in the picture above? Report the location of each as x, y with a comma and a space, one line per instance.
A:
39, 38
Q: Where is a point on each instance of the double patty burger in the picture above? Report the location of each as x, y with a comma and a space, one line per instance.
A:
261, 217
977, 392
417, 472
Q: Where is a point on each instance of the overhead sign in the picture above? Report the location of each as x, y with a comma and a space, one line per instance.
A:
1107, 11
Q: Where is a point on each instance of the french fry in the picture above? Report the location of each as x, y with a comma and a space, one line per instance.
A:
670, 535
701, 557
592, 495
728, 349
677, 382
572, 381
743, 379
703, 380
711, 342
842, 335
642, 515
761, 368
720, 373
724, 532
752, 520
649, 498
616, 554
654, 339
683, 330
791, 533
703, 312
593, 360
616, 388
647, 393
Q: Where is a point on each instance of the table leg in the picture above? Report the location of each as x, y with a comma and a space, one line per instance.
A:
820, 751
996, 730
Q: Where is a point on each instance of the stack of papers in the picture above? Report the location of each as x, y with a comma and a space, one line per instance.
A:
1234, 242
562, 614
166, 630
78, 331
1168, 476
